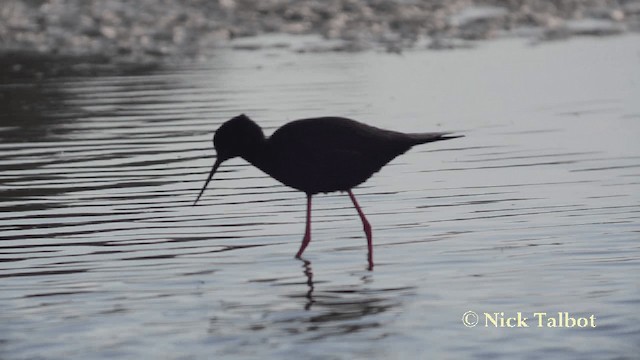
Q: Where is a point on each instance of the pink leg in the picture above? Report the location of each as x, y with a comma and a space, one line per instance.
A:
367, 228
307, 232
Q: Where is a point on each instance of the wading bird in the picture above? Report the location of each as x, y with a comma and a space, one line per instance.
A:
317, 155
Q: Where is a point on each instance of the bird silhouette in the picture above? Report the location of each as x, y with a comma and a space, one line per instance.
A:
317, 155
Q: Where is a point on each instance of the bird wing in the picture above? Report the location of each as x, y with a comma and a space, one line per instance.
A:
339, 134
332, 153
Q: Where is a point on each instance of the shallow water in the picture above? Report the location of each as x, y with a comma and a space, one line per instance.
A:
535, 210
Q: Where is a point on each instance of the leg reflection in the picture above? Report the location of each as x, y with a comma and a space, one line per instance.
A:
308, 272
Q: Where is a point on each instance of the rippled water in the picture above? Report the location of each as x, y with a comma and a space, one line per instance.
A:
535, 210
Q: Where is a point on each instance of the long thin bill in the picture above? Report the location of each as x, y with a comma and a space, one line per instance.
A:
213, 170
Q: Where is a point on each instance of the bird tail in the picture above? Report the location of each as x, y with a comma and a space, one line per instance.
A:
423, 138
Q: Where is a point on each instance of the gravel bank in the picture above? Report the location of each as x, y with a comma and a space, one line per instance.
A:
152, 31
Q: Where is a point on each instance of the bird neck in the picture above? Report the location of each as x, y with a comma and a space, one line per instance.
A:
257, 155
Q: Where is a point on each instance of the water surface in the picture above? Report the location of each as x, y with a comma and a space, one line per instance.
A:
535, 210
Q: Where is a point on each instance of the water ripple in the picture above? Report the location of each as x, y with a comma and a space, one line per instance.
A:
99, 242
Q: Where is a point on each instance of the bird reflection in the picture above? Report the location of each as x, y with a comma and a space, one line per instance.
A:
308, 272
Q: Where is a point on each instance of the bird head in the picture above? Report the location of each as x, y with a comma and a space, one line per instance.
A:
239, 136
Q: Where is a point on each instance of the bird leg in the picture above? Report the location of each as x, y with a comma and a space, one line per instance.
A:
307, 232
367, 228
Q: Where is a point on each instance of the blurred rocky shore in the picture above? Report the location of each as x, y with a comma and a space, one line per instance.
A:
157, 31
